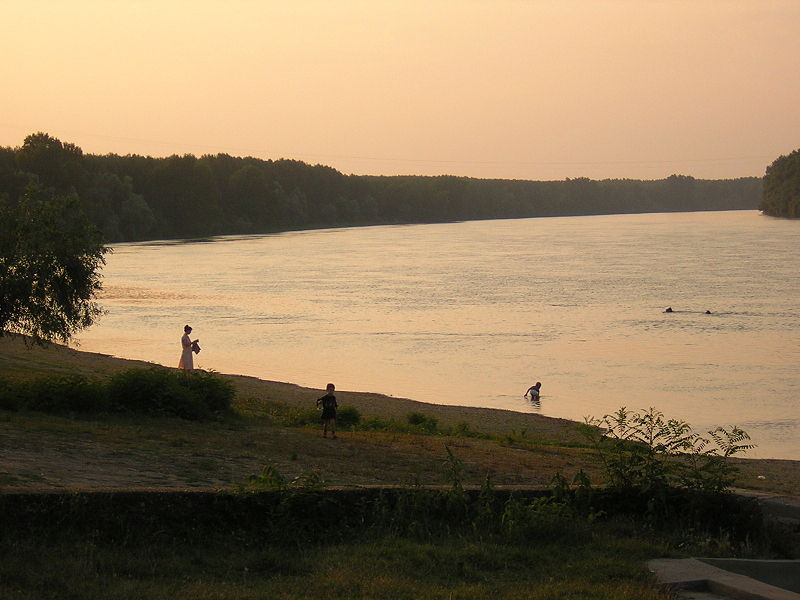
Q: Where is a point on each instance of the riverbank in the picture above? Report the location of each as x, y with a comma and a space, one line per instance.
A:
452, 314
46, 452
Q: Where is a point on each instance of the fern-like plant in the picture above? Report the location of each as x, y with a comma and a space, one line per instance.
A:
646, 451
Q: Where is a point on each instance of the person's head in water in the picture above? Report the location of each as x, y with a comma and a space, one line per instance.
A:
330, 388
669, 309
187, 329
538, 385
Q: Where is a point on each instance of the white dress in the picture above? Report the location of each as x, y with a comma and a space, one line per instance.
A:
187, 360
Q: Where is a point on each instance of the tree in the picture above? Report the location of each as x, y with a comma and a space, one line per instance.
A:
56, 164
135, 197
50, 256
250, 201
781, 192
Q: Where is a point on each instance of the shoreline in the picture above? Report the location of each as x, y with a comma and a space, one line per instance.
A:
555, 445
498, 421
17, 356
444, 341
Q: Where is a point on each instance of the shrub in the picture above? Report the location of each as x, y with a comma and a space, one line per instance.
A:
154, 391
644, 451
348, 416
705, 467
158, 391
215, 392
68, 393
422, 422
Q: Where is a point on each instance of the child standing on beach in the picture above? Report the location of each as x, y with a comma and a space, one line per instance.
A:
329, 406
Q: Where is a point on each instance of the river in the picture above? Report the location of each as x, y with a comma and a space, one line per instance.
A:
474, 313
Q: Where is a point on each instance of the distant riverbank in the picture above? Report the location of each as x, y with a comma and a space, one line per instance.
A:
180, 197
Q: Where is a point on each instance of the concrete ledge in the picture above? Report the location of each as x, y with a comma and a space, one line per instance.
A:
695, 574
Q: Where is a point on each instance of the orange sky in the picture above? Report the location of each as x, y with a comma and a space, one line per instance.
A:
508, 89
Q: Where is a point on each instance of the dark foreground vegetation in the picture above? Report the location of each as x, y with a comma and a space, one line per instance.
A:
781, 196
132, 197
303, 541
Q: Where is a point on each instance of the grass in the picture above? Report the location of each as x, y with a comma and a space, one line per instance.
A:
303, 543
402, 444
391, 569
108, 451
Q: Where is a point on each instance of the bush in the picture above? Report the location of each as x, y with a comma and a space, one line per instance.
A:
190, 395
348, 416
70, 393
422, 422
215, 392
644, 451
154, 391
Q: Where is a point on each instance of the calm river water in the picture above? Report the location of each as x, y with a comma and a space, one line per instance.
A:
474, 313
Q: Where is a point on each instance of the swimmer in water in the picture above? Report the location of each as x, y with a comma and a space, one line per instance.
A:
533, 391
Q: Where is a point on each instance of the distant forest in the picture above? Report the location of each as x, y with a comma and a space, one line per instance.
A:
134, 198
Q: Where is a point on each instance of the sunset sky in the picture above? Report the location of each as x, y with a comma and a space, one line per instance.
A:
491, 89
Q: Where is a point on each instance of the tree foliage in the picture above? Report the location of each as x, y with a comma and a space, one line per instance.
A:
50, 256
781, 193
131, 198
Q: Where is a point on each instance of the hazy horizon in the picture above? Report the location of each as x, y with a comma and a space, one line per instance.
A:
538, 90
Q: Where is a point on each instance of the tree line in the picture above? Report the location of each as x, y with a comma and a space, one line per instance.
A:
134, 198
781, 197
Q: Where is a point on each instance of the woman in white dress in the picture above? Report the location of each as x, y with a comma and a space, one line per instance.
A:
187, 360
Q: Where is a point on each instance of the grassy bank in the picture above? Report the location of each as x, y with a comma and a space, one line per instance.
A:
270, 427
256, 504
